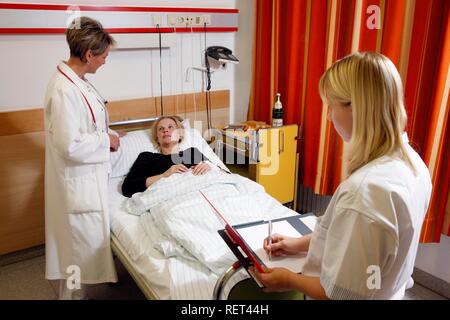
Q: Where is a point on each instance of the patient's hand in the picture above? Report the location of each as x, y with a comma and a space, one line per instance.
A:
176, 168
200, 169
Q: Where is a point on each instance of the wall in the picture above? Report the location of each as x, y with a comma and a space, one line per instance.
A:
244, 52
434, 258
27, 62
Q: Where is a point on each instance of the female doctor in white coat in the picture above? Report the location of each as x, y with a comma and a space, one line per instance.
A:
365, 244
77, 154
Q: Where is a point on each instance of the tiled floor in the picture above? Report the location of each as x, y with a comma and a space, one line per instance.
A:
418, 292
24, 280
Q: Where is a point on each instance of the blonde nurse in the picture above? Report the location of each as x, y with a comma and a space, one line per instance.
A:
365, 245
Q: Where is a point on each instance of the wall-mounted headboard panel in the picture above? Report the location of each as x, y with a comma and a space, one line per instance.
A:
22, 161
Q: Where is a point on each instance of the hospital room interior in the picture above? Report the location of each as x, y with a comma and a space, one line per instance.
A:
227, 149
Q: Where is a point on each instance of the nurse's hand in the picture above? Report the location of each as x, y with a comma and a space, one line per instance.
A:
283, 245
121, 133
114, 142
276, 280
200, 169
176, 168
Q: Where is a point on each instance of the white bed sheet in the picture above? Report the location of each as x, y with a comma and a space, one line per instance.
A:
151, 264
173, 278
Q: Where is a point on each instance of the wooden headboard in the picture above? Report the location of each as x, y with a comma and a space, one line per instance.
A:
22, 161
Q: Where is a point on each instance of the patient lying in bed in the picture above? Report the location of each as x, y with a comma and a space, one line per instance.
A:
175, 208
151, 167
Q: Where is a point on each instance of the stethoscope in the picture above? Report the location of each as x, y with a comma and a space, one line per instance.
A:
100, 99
98, 96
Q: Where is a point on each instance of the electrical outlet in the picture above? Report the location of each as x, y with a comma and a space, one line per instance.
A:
206, 18
156, 20
175, 20
188, 20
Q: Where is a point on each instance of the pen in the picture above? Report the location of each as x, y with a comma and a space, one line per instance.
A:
270, 240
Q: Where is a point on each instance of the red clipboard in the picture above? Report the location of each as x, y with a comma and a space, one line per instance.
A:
236, 239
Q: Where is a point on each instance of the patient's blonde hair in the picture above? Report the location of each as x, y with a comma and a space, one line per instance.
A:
372, 85
178, 124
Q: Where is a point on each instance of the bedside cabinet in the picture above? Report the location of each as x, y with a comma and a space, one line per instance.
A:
267, 156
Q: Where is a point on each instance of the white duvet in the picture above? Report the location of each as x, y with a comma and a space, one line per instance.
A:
189, 226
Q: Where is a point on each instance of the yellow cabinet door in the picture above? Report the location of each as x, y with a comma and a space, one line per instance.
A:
277, 162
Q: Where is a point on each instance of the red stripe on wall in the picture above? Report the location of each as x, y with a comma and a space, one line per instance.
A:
21, 6
32, 30
115, 30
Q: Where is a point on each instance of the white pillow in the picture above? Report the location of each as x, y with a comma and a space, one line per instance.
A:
193, 138
139, 141
131, 146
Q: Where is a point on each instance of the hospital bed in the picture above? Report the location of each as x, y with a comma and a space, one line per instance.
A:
160, 275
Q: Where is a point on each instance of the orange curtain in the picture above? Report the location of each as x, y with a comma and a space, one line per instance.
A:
297, 40
261, 95
340, 32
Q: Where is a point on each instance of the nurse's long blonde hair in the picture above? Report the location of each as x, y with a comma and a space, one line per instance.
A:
371, 84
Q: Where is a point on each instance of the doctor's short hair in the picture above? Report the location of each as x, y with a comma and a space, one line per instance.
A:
178, 124
370, 83
85, 34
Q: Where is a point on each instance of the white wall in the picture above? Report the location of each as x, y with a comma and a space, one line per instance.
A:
434, 258
28, 61
244, 51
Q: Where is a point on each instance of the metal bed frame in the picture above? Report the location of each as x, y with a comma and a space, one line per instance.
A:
224, 278
132, 122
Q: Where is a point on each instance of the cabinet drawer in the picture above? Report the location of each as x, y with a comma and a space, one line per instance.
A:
277, 166
276, 152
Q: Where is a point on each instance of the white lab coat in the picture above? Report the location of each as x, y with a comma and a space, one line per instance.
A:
365, 245
77, 228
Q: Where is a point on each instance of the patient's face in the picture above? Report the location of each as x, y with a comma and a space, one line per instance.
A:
168, 132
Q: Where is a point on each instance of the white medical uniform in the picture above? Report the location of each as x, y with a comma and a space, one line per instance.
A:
77, 154
373, 220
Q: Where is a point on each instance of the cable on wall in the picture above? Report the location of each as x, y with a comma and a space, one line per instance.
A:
176, 86
181, 71
193, 75
160, 69
152, 85
208, 85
